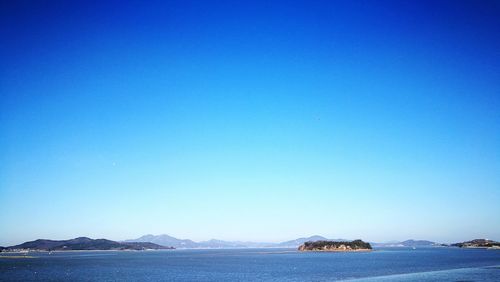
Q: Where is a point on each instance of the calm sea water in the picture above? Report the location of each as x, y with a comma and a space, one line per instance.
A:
394, 264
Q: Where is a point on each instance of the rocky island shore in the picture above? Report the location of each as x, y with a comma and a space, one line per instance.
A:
478, 243
336, 246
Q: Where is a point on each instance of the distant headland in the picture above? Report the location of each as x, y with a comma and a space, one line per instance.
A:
82, 244
478, 243
336, 246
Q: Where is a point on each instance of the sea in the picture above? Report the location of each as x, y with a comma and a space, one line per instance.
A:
384, 264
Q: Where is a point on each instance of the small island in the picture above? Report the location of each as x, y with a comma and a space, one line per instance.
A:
336, 246
478, 243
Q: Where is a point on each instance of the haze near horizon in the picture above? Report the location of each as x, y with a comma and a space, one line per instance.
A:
258, 121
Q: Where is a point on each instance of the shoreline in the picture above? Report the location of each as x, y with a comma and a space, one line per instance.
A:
75, 251
479, 247
292, 249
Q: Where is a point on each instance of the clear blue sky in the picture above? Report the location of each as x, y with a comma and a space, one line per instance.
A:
261, 121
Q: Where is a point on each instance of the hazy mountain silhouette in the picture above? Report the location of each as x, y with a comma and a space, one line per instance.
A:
166, 240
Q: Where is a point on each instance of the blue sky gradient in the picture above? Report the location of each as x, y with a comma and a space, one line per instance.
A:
251, 120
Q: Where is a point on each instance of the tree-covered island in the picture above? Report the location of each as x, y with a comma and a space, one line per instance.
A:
336, 246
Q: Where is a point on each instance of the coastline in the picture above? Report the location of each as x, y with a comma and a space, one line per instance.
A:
479, 247
77, 251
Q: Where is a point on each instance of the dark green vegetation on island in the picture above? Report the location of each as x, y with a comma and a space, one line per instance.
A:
336, 246
478, 243
82, 243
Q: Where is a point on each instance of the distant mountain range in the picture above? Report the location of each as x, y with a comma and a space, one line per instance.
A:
166, 240
82, 243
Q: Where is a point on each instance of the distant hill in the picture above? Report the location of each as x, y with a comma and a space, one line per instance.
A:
478, 243
418, 243
83, 243
407, 243
166, 240
222, 244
